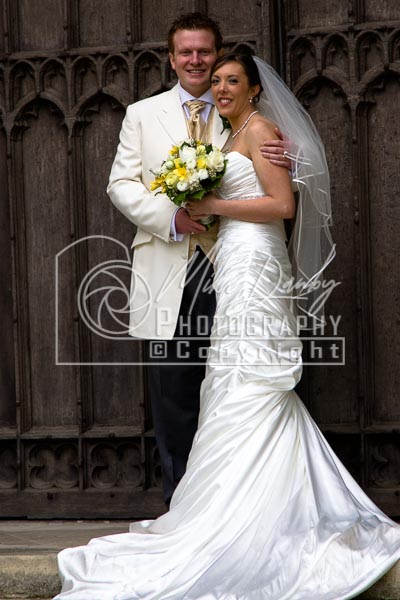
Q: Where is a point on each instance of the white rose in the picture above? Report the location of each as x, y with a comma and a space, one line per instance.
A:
215, 160
187, 153
203, 174
182, 186
194, 178
191, 163
169, 164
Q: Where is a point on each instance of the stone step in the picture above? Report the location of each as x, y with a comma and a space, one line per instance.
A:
28, 564
34, 577
29, 576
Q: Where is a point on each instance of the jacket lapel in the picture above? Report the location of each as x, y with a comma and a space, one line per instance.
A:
172, 118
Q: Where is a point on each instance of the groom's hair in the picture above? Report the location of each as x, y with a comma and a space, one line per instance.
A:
193, 22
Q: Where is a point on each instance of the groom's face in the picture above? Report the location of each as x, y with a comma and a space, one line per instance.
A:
193, 57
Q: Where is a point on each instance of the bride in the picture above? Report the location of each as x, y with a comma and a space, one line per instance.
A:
265, 511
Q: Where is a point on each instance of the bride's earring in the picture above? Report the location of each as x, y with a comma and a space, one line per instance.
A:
251, 100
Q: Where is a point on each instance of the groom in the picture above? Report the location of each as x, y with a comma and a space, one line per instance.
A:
171, 288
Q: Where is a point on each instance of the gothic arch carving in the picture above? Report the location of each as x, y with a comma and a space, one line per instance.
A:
22, 83
92, 104
377, 82
85, 79
30, 109
394, 47
336, 54
116, 77
369, 52
303, 59
148, 75
310, 90
53, 80
246, 48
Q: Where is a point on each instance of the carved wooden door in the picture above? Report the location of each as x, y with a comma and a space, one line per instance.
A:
342, 59
75, 430
75, 433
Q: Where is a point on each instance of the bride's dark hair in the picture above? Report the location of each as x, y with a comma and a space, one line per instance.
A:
246, 60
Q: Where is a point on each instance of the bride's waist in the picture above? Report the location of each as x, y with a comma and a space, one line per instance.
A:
237, 231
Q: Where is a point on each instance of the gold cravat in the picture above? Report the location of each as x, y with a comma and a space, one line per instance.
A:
195, 123
199, 130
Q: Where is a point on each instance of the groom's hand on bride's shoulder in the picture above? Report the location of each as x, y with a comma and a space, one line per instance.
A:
185, 224
274, 150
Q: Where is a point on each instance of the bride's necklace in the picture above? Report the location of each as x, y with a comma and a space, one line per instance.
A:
244, 124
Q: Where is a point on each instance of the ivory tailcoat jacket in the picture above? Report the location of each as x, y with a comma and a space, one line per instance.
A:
149, 130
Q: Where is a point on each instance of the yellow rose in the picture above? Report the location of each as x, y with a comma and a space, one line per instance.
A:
181, 172
201, 162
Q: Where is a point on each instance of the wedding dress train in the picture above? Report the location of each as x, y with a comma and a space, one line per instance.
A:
265, 511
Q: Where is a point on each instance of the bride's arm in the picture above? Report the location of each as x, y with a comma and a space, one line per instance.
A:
278, 202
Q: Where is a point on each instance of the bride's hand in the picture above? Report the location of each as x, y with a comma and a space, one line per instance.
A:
202, 208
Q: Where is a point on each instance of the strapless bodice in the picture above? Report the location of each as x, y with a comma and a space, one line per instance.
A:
240, 181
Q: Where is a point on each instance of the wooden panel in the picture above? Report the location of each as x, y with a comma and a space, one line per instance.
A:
72, 504
381, 10
47, 218
2, 96
333, 390
116, 389
41, 24
322, 13
8, 468
7, 367
383, 460
384, 192
102, 24
2, 39
157, 18
241, 21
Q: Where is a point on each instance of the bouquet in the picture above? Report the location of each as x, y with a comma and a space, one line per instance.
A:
192, 169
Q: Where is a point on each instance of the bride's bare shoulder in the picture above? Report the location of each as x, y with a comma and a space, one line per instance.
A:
260, 128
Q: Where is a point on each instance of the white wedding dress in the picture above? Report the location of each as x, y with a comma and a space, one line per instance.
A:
265, 511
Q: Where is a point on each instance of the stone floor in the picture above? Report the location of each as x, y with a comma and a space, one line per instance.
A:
28, 549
